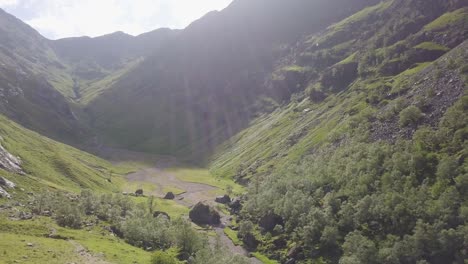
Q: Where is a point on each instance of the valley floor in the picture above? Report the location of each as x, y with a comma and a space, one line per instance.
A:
35, 240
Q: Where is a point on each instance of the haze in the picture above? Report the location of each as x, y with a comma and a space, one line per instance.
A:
67, 18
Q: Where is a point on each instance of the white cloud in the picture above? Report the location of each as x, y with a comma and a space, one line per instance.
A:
66, 18
7, 3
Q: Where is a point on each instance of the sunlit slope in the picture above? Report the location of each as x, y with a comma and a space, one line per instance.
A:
330, 106
49, 164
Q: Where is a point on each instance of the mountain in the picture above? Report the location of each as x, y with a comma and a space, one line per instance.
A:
345, 120
32, 82
206, 85
367, 161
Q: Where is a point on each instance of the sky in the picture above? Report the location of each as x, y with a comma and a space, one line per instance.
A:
56, 19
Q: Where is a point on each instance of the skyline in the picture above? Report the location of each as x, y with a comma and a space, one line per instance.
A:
57, 19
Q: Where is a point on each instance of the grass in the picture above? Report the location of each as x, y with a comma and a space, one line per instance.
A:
172, 208
264, 259
232, 236
295, 68
92, 89
363, 14
448, 19
351, 58
431, 46
53, 165
204, 176
172, 189
147, 187
14, 235
14, 249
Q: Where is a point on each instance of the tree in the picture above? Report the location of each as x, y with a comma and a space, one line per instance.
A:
358, 249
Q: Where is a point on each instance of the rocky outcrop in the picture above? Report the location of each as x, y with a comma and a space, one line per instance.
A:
5, 184
202, 214
9, 162
4, 193
235, 205
225, 199
169, 196
161, 214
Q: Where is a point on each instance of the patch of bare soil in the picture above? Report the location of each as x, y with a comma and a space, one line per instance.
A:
85, 256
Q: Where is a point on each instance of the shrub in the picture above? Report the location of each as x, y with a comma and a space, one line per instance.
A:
161, 257
68, 216
410, 116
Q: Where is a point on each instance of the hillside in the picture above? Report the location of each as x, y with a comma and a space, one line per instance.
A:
367, 162
337, 127
207, 84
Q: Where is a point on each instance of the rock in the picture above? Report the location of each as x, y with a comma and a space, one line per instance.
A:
250, 242
202, 214
139, 192
169, 196
6, 183
9, 162
4, 193
225, 199
269, 221
29, 244
235, 205
161, 214
290, 261
25, 216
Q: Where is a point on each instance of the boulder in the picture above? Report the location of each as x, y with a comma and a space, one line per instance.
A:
269, 221
169, 196
235, 205
225, 199
161, 214
250, 242
139, 192
202, 214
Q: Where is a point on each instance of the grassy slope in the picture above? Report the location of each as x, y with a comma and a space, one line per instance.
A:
50, 164
16, 234
54, 166
286, 135
93, 88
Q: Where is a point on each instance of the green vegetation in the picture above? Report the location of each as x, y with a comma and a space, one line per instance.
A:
233, 236
431, 46
204, 176
50, 164
264, 259
295, 68
410, 116
351, 58
17, 234
448, 19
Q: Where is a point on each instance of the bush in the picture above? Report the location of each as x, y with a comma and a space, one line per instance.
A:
410, 116
161, 257
68, 216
